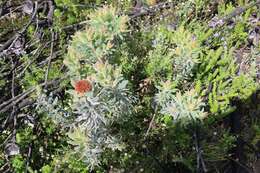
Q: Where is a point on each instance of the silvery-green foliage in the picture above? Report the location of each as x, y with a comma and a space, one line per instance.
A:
186, 54
107, 75
166, 92
185, 107
106, 22
88, 132
90, 112
83, 146
175, 56
121, 102
96, 110
50, 105
96, 42
119, 98
110, 99
81, 141
97, 145
89, 145
114, 90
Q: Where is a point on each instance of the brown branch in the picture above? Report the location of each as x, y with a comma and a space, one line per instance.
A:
145, 11
13, 113
26, 100
75, 26
133, 15
11, 41
51, 11
240, 10
236, 12
49, 59
2, 169
24, 95
150, 125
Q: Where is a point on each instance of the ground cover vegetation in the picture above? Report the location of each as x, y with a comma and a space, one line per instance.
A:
129, 86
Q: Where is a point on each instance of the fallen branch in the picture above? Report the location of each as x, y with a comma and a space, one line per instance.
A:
150, 10
25, 101
215, 22
11, 41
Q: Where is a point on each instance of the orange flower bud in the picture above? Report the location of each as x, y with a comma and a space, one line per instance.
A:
82, 86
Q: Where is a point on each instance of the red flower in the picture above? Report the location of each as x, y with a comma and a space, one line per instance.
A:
82, 86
